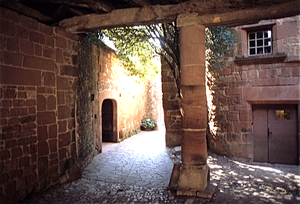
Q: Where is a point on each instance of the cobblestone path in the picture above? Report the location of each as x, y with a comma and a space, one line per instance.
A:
138, 171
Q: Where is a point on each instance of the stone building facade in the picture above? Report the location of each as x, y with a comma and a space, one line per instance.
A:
250, 83
261, 81
52, 88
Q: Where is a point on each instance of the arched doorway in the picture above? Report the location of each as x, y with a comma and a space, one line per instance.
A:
109, 121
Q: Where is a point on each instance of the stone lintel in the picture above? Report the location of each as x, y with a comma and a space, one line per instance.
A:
187, 19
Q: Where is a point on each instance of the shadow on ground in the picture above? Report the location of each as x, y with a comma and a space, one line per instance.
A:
138, 171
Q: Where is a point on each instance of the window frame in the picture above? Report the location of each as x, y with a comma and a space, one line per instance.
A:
256, 39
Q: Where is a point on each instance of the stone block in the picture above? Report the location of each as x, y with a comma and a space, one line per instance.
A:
21, 32
62, 126
52, 145
173, 138
16, 152
62, 83
49, 78
41, 102
7, 28
52, 131
51, 103
26, 47
38, 50
194, 95
12, 44
192, 55
36, 37
12, 58
46, 118
47, 30
69, 70
38, 63
192, 35
64, 112
194, 117
19, 76
50, 42
29, 23
194, 148
192, 179
64, 139
61, 42
18, 111
287, 29
10, 15
42, 133
43, 148
49, 52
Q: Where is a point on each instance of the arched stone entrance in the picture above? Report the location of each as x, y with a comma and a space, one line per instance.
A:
109, 121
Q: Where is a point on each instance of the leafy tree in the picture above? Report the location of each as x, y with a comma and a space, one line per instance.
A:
141, 43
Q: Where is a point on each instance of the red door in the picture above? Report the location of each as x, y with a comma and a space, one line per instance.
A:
275, 134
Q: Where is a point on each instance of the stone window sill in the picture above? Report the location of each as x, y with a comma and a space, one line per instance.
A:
261, 59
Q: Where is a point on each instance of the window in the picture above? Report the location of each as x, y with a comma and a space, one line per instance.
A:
260, 42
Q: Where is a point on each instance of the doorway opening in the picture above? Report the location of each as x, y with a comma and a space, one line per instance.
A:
275, 134
109, 121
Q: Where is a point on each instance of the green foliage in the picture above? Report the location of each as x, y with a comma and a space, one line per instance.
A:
220, 44
96, 38
148, 124
136, 46
134, 49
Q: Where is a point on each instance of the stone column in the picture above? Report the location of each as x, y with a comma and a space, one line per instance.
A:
194, 172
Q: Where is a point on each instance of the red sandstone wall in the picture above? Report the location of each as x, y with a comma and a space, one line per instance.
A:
245, 83
135, 98
38, 92
171, 104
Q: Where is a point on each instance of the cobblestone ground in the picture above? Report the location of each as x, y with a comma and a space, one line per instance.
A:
138, 171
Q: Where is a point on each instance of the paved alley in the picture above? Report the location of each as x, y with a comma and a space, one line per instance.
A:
138, 169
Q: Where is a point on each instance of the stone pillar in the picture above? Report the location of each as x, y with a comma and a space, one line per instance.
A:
194, 172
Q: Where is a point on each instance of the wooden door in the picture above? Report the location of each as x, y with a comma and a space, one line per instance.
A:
275, 134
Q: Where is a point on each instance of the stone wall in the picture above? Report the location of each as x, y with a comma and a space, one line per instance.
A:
134, 98
38, 76
171, 104
248, 80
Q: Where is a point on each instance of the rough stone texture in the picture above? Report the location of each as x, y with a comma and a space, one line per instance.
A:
239, 85
171, 104
134, 98
194, 173
238, 180
34, 155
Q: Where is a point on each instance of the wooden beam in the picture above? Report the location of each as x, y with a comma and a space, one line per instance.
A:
241, 17
99, 5
168, 13
96, 5
20, 8
142, 2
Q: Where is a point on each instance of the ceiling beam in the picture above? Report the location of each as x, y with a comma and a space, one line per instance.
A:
20, 8
96, 5
141, 2
240, 17
99, 5
168, 13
